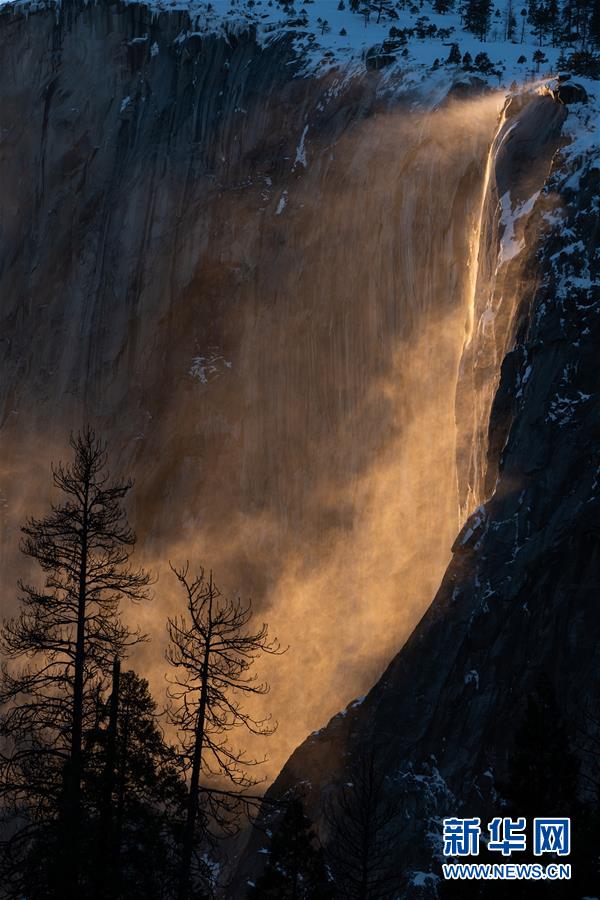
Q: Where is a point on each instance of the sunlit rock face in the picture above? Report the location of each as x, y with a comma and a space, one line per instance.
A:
519, 599
254, 284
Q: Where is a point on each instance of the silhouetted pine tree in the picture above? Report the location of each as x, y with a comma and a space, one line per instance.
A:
539, 19
568, 20
544, 780
57, 651
510, 22
363, 824
295, 868
454, 56
212, 650
553, 20
542, 770
477, 16
140, 797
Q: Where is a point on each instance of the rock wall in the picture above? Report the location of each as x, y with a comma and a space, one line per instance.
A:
252, 283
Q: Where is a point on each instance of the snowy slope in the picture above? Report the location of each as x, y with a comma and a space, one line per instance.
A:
327, 37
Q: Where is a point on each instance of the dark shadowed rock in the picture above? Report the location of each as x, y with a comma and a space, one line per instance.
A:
571, 92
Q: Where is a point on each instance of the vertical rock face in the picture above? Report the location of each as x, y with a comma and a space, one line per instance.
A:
519, 599
252, 282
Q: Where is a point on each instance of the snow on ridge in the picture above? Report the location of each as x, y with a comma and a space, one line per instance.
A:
327, 37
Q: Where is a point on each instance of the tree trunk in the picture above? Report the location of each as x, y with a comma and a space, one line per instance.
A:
192, 806
121, 792
109, 851
73, 769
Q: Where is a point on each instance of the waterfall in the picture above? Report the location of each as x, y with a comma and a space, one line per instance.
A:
474, 442
516, 168
480, 230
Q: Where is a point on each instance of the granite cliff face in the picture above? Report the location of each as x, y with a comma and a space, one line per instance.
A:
253, 282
